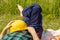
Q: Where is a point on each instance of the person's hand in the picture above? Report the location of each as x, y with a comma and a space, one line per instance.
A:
20, 9
9, 25
33, 33
0, 37
31, 30
5, 29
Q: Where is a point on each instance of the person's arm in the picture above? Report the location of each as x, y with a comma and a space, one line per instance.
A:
20, 9
33, 33
5, 29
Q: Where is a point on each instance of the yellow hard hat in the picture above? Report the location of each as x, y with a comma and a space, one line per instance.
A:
18, 25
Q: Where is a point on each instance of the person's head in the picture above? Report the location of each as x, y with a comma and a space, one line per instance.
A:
18, 25
32, 12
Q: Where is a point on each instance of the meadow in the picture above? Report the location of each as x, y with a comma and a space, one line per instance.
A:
50, 12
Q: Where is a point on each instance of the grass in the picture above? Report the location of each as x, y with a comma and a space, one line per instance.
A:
50, 12
51, 23
4, 19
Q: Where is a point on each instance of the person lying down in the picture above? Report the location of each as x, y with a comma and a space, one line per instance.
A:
18, 31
